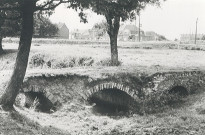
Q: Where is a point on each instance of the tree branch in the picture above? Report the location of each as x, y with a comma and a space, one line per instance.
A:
48, 6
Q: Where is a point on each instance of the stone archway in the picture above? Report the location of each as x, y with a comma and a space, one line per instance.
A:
38, 101
179, 90
111, 101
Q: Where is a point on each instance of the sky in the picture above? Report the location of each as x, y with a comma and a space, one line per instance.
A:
173, 18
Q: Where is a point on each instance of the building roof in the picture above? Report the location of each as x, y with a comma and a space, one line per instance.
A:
150, 33
131, 27
60, 25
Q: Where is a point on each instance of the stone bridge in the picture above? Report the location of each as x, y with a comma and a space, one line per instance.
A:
165, 82
58, 89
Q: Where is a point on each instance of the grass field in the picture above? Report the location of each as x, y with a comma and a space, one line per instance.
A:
144, 55
186, 118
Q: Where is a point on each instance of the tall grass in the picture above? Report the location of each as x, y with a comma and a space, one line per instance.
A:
40, 60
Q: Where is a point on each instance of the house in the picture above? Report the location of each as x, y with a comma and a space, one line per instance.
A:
63, 31
130, 33
81, 34
190, 37
150, 36
89, 34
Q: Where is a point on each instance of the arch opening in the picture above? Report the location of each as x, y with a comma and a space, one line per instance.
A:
179, 90
111, 102
39, 102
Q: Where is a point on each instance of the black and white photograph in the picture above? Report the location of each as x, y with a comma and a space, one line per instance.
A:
102, 67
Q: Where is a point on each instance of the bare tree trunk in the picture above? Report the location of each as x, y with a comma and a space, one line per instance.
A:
1, 48
114, 50
8, 98
113, 29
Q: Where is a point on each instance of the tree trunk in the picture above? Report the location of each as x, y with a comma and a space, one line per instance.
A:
114, 50
8, 98
1, 48
113, 29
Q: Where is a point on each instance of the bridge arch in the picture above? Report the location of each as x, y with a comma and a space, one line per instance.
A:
109, 86
111, 96
190, 80
175, 84
40, 98
179, 90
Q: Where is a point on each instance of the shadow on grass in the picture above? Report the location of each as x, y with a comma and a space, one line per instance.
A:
15, 123
9, 51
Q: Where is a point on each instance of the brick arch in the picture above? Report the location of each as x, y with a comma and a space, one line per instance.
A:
34, 88
179, 86
180, 80
111, 85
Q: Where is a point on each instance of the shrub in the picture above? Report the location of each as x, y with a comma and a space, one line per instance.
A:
72, 62
85, 61
147, 47
186, 48
61, 64
196, 48
37, 60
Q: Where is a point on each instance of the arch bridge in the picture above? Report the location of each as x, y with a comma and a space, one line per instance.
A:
65, 87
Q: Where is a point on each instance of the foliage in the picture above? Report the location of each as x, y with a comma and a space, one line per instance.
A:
162, 38
203, 38
125, 9
9, 27
101, 28
43, 26
39, 60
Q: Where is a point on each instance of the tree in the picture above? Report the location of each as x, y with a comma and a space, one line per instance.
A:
162, 38
8, 27
26, 9
43, 26
101, 28
203, 38
114, 11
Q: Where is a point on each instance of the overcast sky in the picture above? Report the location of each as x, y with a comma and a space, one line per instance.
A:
175, 17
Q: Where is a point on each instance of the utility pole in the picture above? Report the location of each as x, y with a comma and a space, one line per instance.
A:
196, 31
139, 26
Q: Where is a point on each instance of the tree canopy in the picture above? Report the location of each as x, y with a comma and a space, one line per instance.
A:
101, 27
125, 9
43, 27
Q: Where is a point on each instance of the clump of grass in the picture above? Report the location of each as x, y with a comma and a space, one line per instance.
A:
34, 104
196, 48
55, 64
85, 61
42, 61
147, 47
37, 60
107, 62
186, 48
